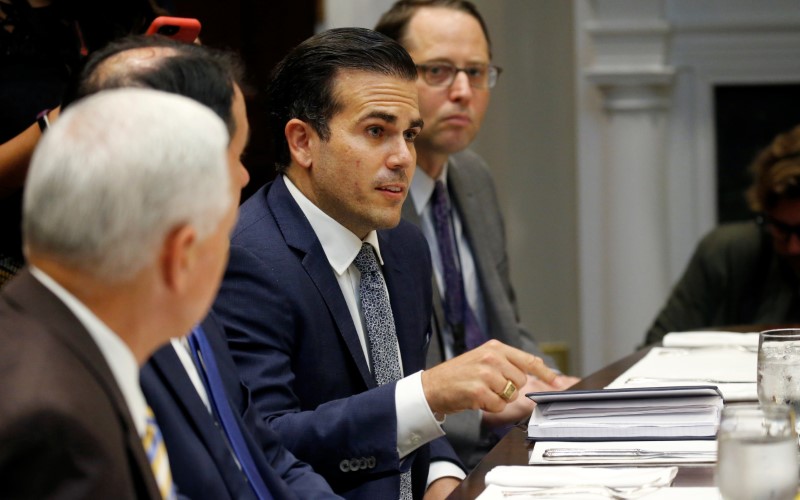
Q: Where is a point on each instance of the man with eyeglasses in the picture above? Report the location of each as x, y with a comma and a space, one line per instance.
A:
746, 272
453, 200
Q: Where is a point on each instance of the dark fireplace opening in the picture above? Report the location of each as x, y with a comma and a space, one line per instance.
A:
747, 118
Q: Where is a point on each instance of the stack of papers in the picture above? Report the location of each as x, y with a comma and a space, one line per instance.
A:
497, 492
548, 477
626, 414
711, 339
730, 368
580, 483
624, 452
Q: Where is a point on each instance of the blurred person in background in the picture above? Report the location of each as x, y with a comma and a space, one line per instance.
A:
747, 272
42, 45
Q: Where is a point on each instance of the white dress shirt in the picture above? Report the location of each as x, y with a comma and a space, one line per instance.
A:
416, 424
117, 354
184, 353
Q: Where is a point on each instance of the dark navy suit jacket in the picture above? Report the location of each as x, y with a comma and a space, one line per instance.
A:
201, 463
297, 349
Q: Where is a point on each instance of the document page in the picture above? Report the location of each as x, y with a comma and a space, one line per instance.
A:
731, 369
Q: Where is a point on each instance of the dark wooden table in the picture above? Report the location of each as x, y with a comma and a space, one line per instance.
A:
514, 448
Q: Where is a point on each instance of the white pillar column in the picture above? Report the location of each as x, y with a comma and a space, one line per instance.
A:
623, 240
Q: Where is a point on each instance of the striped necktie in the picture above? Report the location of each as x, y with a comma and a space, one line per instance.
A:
157, 456
381, 334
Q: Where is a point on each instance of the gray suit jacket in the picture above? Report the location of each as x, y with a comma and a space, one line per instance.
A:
473, 194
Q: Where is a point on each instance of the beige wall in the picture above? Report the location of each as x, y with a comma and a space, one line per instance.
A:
528, 140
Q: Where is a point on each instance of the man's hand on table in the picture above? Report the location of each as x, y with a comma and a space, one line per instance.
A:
522, 407
478, 378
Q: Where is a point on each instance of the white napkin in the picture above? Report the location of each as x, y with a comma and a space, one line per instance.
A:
545, 476
704, 445
495, 492
709, 339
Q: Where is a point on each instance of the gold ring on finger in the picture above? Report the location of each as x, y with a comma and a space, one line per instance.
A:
508, 391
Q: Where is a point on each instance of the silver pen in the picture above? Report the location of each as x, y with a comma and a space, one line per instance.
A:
571, 454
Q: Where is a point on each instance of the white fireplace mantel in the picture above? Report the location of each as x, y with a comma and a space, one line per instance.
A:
646, 72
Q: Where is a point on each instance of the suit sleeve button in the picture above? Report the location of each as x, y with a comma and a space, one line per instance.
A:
344, 466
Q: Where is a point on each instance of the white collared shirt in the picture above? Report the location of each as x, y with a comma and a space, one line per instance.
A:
416, 424
117, 354
421, 193
184, 353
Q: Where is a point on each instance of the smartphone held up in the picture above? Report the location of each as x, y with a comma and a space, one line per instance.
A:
182, 29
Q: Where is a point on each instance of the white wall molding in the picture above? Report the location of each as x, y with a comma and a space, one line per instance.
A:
645, 92
626, 86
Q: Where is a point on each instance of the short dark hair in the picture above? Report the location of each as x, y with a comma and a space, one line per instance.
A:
194, 71
776, 172
394, 22
302, 85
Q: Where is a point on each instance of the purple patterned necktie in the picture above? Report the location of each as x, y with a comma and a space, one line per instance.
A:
464, 326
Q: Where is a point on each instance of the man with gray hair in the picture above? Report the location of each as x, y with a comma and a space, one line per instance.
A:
218, 447
127, 212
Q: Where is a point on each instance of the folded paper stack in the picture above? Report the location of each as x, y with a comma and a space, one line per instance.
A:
626, 414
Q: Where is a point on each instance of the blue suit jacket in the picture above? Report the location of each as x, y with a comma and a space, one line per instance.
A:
202, 465
296, 346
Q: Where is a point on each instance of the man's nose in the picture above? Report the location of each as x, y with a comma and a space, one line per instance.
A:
460, 89
403, 155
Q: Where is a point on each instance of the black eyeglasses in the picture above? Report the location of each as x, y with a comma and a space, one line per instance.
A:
443, 74
778, 228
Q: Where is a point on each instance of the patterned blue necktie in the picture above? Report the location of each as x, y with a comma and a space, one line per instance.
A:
381, 334
463, 324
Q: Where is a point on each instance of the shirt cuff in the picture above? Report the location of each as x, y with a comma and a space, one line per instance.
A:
443, 468
416, 424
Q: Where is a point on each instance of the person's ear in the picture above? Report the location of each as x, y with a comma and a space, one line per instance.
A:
301, 139
178, 256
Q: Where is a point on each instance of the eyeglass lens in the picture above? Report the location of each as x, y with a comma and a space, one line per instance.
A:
443, 74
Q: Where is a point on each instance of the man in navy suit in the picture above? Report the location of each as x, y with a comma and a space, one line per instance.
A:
344, 113
204, 464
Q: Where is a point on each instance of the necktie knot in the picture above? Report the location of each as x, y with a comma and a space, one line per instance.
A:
365, 261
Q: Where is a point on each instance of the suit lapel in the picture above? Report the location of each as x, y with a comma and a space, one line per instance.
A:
175, 378
298, 234
399, 282
465, 200
30, 295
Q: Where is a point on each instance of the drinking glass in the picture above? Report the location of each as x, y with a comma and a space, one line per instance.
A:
757, 453
779, 367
